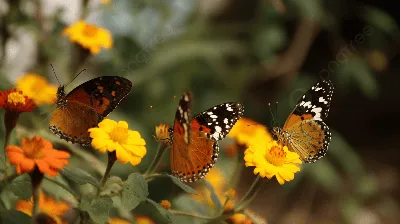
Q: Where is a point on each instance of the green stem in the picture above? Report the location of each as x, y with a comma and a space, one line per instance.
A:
250, 194
180, 213
156, 161
112, 157
35, 208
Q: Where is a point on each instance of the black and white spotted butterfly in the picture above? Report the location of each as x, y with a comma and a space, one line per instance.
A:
195, 141
305, 131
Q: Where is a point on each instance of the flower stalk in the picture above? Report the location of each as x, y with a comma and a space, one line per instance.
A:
250, 194
157, 159
112, 157
36, 179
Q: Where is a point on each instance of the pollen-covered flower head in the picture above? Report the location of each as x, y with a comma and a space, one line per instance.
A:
115, 136
272, 159
89, 36
37, 88
37, 152
245, 131
15, 101
162, 133
47, 205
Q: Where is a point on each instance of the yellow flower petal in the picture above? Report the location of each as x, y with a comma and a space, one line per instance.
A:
272, 159
115, 136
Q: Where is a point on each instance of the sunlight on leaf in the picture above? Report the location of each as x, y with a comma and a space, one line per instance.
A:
113, 185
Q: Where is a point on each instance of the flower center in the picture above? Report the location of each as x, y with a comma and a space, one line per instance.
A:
16, 98
89, 30
34, 150
276, 156
119, 135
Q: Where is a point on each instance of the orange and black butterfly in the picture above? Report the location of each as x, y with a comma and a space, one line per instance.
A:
305, 131
195, 141
85, 106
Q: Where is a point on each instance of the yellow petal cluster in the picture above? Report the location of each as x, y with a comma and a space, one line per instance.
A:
272, 159
115, 136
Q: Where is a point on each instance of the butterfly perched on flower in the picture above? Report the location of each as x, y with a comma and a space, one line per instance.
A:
85, 106
305, 131
194, 141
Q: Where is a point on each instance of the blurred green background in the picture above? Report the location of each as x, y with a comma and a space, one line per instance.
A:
256, 52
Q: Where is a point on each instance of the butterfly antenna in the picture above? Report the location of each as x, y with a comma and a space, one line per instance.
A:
75, 77
272, 115
55, 74
276, 112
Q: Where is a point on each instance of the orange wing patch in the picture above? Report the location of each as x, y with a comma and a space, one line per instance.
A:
193, 161
294, 119
309, 139
72, 122
80, 95
196, 126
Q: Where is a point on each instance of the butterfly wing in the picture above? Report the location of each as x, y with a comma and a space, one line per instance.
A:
103, 94
72, 122
219, 120
194, 146
309, 135
86, 105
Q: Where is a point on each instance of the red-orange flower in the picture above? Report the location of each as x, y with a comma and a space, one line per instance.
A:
47, 205
15, 101
37, 152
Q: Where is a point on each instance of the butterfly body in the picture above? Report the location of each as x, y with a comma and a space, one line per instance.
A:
85, 106
194, 140
305, 131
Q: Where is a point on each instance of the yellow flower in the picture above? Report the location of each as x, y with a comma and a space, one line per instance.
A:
272, 159
47, 205
240, 218
105, 1
117, 221
37, 88
246, 131
165, 204
89, 36
112, 136
162, 133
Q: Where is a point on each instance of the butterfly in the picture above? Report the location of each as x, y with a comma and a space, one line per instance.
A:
85, 106
305, 131
194, 141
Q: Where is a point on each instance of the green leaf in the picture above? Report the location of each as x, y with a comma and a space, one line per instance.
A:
381, 19
21, 188
113, 185
214, 196
79, 176
183, 186
85, 203
256, 219
325, 174
135, 191
164, 212
14, 217
99, 209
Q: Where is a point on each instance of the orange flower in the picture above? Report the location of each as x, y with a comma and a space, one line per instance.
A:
117, 221
165, 204
47, 205
246, 131
37, 152
143, 220
15, 101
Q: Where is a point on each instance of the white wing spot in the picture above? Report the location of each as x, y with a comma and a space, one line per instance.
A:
213, 116
226, 121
